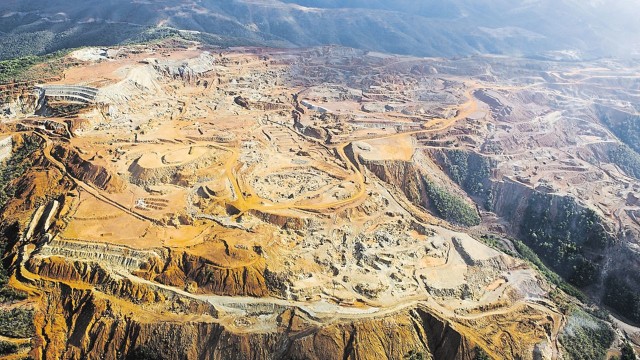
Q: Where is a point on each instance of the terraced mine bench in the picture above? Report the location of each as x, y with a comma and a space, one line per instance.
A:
69, 93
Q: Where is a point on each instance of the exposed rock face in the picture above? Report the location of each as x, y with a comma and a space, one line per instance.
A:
6, 146
100, 329
67, 260
240, 101
510, 200
86, 171
116, 256
58, 268
404, 175
416, 179
19, 101
181, 268
541, 216
285, 222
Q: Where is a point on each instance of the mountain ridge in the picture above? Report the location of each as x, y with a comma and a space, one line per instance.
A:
556, 30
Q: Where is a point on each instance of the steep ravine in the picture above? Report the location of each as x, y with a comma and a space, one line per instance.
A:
550, 224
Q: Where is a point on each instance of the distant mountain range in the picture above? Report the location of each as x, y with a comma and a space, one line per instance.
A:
562, 29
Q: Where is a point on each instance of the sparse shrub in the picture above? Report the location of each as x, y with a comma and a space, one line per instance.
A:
481, 355
585, 337
567, 240
450, 206
627, 352
144, 353
621, 297
414, 355
554, 278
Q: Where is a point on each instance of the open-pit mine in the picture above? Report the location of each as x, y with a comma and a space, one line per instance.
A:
180, 201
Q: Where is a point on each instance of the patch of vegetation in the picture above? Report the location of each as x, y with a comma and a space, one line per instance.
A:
570, 240
529, 255
481, 355
469, 170
414, 355
451, 207
626, 353
17, 323
586, 337
18, 69
620, 296
12, 169
153, 34
7, 347
8, 294
627, 159
145, 353
626, 128
36, 55
21, 44
15, 167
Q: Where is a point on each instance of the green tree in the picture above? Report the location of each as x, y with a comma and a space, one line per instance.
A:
414, 355
481, 355
451, 207
627, 352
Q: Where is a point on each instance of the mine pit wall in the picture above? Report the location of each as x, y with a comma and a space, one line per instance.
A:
167, 174
19, 104
6, 148
114, 256
180, 269
515, 202
512, 201
403, 175
282, 221
69, 93
98, 328
88, 263
86, 171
